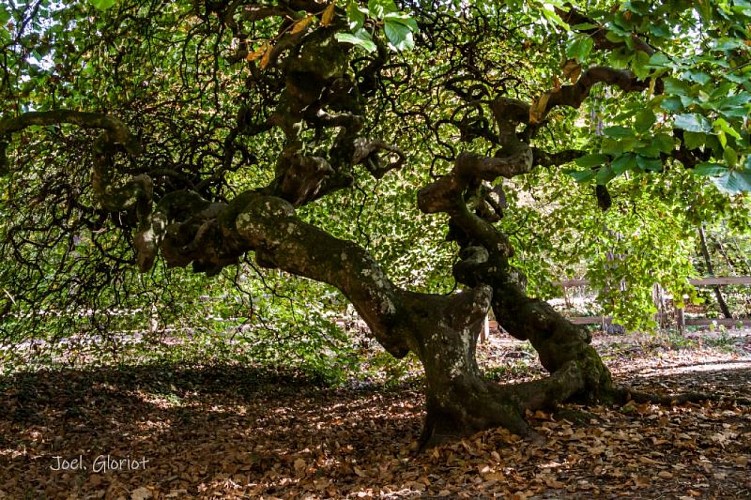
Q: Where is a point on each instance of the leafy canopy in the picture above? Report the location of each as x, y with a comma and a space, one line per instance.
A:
198, 83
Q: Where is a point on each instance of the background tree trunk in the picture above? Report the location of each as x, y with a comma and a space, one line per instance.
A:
710, 271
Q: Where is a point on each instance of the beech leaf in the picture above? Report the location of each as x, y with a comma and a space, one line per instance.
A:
302, 24
328, 14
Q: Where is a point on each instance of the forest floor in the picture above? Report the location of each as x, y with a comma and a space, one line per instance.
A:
232, 432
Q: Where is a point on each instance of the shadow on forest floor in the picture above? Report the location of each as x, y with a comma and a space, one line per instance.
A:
225, 431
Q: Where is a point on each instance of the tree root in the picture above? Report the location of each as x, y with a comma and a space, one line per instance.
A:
623, 394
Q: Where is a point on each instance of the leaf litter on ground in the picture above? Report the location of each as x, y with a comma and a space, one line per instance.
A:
230, 432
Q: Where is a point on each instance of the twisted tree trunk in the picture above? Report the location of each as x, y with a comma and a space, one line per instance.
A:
441, 330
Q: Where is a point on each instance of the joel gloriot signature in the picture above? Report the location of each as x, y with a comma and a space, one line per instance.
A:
102, 463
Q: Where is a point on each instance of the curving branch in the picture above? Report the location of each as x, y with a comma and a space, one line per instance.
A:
366, 152
112, 196
574, 95
446, 193
270, 227
188, 230
510, 113
118, 131
546, 159
599, 33
116, 137
300, 179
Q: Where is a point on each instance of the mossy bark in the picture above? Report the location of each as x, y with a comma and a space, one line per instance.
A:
559, 343
443, 334
460, 401
441, 330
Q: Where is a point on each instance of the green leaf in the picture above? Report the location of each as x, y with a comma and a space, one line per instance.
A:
604, 175
734, 101
728, 44
640, 64
581, 175
616, 147
637, 7
103, 4
693, 140
553, 18
360, 39
730, 157
4, 16
672, 103
665, 142
723, 138
689, 101
721, 90
713, 143
591, 160
710, 169
580, 48
741, 79
648, 149
644, 120
623, 163
399, 34
652, 164
614, 37
618, 132
693, 123
733, 181
660, 31
585, 26
675, 86
697, 76
658, 60
739, 112
405, 19
379, 8
721, 124
356, 16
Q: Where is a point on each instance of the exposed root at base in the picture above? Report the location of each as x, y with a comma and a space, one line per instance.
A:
623, 395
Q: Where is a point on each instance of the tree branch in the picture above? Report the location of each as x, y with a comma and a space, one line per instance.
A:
546, 159
366, 153
445, 194
574, 95
599, 34
511, 112
270, 227
118, 131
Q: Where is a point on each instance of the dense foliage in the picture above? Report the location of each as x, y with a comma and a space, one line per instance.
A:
629, 169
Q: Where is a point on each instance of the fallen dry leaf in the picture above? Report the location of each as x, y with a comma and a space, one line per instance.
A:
219, 432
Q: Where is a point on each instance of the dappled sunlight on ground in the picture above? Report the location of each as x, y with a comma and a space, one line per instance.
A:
227, 432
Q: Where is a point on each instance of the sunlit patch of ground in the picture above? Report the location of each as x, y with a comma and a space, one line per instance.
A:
232, 432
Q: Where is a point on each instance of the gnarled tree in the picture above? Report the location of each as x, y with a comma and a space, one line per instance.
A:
309, 98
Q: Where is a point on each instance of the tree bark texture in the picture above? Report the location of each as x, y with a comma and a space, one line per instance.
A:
441, 330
